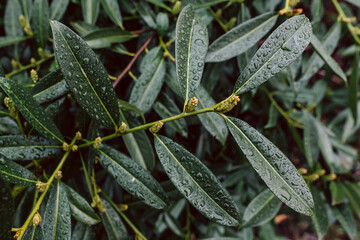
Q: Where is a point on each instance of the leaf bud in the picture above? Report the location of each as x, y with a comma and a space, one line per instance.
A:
330, 177
191, 105
15, 64
66, 147
156, 127
177, 7
58, 175
74, 148
36, 219
28, 31
22, 21
40, 186
123, 207
11, 106
41, 52
78, 135
228, 104
97, 142
231, 23
33, 61
34, 75
302, 171
218, 13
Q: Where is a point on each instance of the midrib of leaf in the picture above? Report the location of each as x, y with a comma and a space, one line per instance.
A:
193, 179
270, 58
263, 206
84, 74
33, 233
22, 147
141, 183
256, 149
151, 80
248, 33
109, 37
188, 62
56, 208
112, 225
71, 204
47, 89
13, 22
25, 9
37, 119
15, 176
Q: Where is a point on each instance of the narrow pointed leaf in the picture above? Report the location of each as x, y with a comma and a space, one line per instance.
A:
346, 218
337, 193
354, 2
138, 145
282, 47
149, 84
11, 19
320, 217
20, 147
52, 92
123, 105
15, 173
26, 6
132, 177
273, 166
241, 38
114, 227
40, 21
85, 75
10, 40
7, 211
58, 8
34, 233
196, 182
104, 37
57, 218
83, 28
354, 86
112, 9
54, 108
83, 232
310, 140
30, 109
352, 192
90, 10
146, 13
261, 209
190, 51
316, 44
212, 122
80, 208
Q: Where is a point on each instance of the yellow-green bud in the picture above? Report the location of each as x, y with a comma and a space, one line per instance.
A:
11, 106
58, 175
231, 23
40, 186
34, 75
78, 135
33, 61
97, 142
28, 31
41, 52
15, 64
191, 105
22, 20
122, 128
293, 3
177, 7
320, 172
228, 104
74, 148
123, 207
218, 13
302, 171
36, 219
330, 177
156, 127
66, 147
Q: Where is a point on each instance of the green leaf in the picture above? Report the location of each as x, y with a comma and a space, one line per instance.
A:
337, 193
83, 232
317, 46
160, 3
354, 86
53, 108
320, 217
57, 218
146, 13
8, 126
85, 75
90, 10
273, 166
310, 140
83, 28
282, 47
114, 227
11, 40
352, 192
261, 209
162, 22
112, 9
104, 37
196, 182
124, 105
346, 218
40, 21
15, 173
190, 51
58, 8
212, 122
273, 117
241, 38
11, 19
149, 84
20, 147
26, 6
138, 145
132, 177
30, 109
79, 207
7, 210
354, 2
34, 233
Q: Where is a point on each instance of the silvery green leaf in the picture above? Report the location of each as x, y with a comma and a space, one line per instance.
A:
40, 21
90, 10
112, 9
310, 140
58, 8
346, 218
320, 217
15, 173
104, 37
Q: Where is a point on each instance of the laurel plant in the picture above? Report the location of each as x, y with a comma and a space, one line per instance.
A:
147, 119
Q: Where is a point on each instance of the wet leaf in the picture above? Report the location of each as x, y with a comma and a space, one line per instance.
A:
112, 9
85, 75
317, 46
34, 233
104, 37
30, 109
12, 25
83, 232
80, 208
40, 21
273, 166
261, 209
320, 217
7, 210
162, 22
20, 147
282, 47
146, 13
310, 140
11, 40
190, 51
58, 8
83, 28
57, 218
132, 177
196, 182
212, 122
15, 173
354, 86
54, 108
346, 218
241, 38
114, 227
123, 105
90, 10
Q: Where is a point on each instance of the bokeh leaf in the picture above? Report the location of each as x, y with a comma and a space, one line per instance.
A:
310, 140
354, 86
112, 9
11, 40
320, 217
58, 8
7, 210
34, 233
40, 21
346, 218
104, 37
83, 232
90, 10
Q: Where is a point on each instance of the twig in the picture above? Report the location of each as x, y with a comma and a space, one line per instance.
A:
128, 67
140, 31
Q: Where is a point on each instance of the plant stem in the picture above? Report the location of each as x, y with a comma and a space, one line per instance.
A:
19, 123
188, 222
42, 196
222, 25
163, 45
22, 68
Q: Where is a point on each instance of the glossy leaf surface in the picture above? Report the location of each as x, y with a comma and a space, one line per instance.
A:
85, 75
80, 208
320, 217
240, 38
196, 182
310, 140
261, 209
273, 166
124, 105
112, 9
30, 109
90, 10
132, 177
190, 51
346, 218
282, 47
58, 8
6, 210
40, 21
11, 19
57, 218
83, 232
104, 37
20, 147
34, 233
